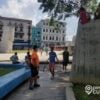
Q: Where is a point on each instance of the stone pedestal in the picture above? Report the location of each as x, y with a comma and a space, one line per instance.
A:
86, 59
7, 39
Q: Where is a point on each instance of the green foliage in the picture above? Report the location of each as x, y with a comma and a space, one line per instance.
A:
92, 5
79, 90
61, 9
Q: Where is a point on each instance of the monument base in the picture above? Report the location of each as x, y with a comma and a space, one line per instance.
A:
86, 58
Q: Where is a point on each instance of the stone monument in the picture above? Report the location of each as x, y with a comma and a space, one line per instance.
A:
86, 59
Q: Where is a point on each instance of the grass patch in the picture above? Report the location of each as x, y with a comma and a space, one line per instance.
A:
4, 71
80, 94
19, 51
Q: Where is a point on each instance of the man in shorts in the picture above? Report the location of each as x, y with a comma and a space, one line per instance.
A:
65, 58
52, 61
34, 68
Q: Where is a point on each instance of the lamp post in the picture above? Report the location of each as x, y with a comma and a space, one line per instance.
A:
29, 34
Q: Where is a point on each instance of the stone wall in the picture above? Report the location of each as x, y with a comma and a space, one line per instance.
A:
86, 59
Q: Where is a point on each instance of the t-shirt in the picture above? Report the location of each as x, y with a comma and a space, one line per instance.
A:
35, 59
28, 59
14, 58
52, 57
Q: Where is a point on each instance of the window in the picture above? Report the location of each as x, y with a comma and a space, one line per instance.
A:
46, 30
57, 25
0, 34
63, 39
63, 31
1, 25
53, 38
43, 37
43, 30
21, 36
50, 38
38, 32
16, 35
16, 28
44, 23
53, 31
56, 38
50, 30
46, 38
56, 31
21, 28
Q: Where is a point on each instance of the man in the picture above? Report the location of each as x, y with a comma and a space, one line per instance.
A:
65, 58
28, 59
97, 13
14, 58
52, 61
34, 69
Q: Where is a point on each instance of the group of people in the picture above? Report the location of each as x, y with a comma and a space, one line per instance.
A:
32, 60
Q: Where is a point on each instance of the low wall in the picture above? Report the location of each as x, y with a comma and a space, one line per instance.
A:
10, 81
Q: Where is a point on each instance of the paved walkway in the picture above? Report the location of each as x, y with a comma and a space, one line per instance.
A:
43, 57
49, 90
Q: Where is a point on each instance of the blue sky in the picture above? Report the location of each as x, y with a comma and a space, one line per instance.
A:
29, 9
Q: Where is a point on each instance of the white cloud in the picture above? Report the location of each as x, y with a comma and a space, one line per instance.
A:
26, 9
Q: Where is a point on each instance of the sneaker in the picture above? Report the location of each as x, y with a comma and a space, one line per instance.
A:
52, 78
36, 85
30, 88
38, 76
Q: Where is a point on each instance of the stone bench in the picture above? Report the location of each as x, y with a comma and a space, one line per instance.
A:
10, 81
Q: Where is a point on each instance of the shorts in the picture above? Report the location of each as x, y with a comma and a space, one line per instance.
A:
51, 65
65, 63
34, 71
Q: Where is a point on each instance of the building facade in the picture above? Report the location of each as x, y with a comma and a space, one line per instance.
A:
22, 31
36, 36
52, 34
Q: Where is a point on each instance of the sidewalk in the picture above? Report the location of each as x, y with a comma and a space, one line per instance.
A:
43, 57
49, 90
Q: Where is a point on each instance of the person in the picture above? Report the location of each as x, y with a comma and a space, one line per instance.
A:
84, 16
97, 13
34, 69
46, 50
28, 59
41, 51
52, 61
14, 58
65, 58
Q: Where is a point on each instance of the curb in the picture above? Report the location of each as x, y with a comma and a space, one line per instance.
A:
69, 93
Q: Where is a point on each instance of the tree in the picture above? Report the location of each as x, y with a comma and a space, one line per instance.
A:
61, 9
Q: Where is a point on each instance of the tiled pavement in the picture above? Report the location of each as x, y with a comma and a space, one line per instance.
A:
49, 90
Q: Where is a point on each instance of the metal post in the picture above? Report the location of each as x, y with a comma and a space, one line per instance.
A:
29, 33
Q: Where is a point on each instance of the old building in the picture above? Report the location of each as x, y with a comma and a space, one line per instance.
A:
52, 34
36, 36
22, 31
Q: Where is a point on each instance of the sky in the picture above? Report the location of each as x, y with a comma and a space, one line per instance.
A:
29, 9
